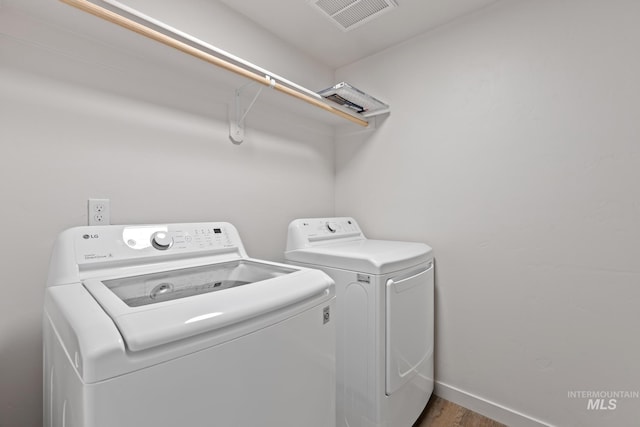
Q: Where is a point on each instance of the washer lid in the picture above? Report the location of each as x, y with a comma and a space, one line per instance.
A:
161, 307
367, 256
158, 287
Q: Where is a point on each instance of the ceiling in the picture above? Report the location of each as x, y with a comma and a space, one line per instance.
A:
305, 27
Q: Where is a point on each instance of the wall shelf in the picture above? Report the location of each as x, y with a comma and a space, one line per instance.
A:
137, 22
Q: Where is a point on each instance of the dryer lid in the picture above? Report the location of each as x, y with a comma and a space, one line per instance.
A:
366, 255
161, 307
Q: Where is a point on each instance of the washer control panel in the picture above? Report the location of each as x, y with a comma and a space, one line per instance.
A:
314, 231
118, 243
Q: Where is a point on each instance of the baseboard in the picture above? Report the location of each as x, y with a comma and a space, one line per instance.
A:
485, 407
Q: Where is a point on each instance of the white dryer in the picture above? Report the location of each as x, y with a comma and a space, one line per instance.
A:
384, 318
174, 325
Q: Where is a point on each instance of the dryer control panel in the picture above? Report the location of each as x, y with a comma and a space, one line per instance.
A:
316, 231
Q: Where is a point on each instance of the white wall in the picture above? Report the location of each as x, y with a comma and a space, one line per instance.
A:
83, 118
513, 149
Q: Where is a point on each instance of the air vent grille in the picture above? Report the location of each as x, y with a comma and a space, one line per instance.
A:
349, 14
331, 7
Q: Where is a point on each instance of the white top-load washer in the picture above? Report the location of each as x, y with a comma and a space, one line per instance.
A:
384, 319
174, 325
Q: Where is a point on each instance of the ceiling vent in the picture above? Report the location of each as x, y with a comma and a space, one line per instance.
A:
349, 14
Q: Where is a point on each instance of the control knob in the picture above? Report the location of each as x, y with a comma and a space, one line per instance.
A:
161, 240
332, 227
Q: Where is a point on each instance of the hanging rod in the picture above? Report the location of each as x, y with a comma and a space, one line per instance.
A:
136, 27
199, 44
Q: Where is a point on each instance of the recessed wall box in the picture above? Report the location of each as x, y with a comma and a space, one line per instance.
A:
354, 100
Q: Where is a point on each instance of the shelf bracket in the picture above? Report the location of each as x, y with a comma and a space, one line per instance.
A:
236, 114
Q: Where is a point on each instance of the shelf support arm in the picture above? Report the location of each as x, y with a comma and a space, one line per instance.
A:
236, 118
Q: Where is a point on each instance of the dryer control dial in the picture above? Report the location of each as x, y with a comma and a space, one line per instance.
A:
332, 226
161, 240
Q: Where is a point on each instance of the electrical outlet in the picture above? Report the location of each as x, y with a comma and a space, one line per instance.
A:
99, 212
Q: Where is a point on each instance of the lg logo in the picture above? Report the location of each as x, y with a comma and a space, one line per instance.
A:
89, 236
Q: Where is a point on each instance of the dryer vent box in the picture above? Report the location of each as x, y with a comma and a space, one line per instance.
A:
350, 14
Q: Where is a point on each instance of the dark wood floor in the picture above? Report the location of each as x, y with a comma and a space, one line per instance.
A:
442, 413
